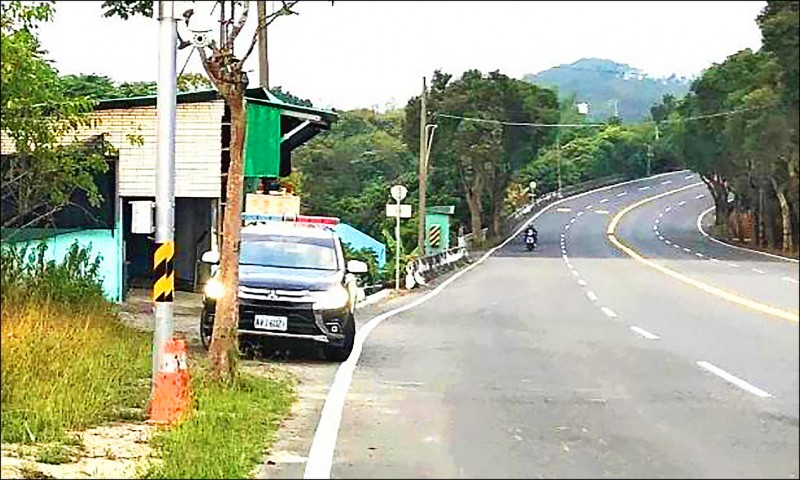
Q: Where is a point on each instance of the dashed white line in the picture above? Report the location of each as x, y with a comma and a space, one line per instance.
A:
714, 260
667, 242
602, 212
655, 228
644, 333
700, 196
682, 203
592, 296
762, 272
604, 200
686, 250
609, 313
698, 254
622, 194
790, 279
566, 259
588, 207
687, 177
733, 265
661, 215
580, 213
563, 209
582, 282
734, 380
657, 221
644, 188
666, 182
660, 237
668, 209
566, 227
575, 272
572, 220
677, 246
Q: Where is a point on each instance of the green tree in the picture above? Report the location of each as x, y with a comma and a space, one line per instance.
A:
40, 178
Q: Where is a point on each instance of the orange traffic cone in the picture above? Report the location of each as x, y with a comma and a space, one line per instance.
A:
171, 399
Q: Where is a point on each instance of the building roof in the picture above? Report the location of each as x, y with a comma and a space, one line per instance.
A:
256, 95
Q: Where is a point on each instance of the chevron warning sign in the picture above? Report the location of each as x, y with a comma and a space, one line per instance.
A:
435, 235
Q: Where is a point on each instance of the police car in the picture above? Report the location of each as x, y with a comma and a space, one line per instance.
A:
294, 283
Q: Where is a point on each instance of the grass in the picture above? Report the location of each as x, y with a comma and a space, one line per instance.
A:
67, 369
226, 435
54, 454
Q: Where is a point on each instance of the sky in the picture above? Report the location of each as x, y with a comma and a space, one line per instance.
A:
374, 54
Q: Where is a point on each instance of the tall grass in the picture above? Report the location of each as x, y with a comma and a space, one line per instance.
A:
65, 360
226, 435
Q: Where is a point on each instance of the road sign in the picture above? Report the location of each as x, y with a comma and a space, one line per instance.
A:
391, 210
435, 237
399, 192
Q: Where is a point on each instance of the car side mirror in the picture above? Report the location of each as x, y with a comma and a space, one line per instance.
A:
357, 266
211, 256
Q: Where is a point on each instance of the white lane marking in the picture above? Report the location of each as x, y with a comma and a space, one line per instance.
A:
668, 242
677, 246
762, 272
609, 313
790, 279
622, 194
575, 272
682, 203
733, 265
714, 260
580, 213
705, 234
570, 266
588, 207
566, 227
644, 333
668, 209
657, 221
604, 200
734, 380
592, 296
602, 212
660, 237
655, 228
572, 220
644, 188
323, 445
686, 250
687, 177
566, 259
666, 182
661, 214
582, 282
700, 196
563, 210
698, 254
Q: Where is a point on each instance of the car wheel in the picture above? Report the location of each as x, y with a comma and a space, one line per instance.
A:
206, 329
342, 352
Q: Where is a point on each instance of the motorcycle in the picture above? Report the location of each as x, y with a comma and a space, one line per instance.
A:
530, 243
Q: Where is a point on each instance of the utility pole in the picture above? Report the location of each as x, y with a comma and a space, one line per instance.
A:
558, 158
423, 171
163, 258
263, 62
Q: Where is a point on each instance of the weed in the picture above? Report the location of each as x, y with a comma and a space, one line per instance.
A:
54, 454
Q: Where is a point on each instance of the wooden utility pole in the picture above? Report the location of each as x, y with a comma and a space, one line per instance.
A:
423, 172
263, 62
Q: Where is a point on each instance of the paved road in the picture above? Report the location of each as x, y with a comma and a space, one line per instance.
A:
577, 361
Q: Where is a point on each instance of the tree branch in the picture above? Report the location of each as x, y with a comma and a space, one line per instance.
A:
238, 27
267, 21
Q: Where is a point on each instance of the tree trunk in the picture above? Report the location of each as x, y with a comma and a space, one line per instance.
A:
224, 347
474, 204
786, 218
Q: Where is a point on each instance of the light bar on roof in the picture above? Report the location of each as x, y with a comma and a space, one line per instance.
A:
256, 218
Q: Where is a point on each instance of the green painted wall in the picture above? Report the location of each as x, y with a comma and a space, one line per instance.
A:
444, 222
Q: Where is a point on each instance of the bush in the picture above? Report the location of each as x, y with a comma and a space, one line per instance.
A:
28, 277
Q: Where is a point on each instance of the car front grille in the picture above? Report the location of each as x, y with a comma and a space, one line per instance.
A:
300, 315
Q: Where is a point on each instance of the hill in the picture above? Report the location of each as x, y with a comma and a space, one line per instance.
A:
602, 83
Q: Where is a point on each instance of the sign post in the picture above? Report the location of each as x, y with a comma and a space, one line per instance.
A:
398, 192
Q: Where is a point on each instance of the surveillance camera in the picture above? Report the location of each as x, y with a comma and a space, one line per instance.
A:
200, 39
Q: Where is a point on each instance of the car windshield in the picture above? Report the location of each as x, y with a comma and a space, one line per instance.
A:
289, 252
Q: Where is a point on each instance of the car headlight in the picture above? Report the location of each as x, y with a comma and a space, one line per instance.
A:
331, 299
214, 288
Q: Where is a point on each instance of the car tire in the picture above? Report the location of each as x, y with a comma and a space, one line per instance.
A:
342, 352
206, 329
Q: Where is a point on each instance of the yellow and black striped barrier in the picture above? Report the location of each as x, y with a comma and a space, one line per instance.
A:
164, 272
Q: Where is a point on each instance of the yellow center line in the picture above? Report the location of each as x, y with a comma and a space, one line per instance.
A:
729, 296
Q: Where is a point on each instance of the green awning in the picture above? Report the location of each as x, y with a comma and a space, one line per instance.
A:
262, 144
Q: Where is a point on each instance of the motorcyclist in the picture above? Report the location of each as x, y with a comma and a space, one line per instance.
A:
531, 232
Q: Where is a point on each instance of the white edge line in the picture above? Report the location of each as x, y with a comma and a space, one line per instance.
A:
592, 296
644, 333
734, 380
705, 234
323, 445
790, 279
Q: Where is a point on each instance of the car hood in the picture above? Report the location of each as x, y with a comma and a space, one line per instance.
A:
288, 278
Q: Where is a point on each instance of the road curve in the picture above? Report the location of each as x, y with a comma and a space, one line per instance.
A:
577, 361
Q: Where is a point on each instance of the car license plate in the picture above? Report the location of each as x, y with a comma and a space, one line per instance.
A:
271, 322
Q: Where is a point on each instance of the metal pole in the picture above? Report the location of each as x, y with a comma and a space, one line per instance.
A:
263, 63
163, 289
397, 249
423, 172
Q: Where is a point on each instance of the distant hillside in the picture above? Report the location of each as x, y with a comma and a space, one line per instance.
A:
602, 82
